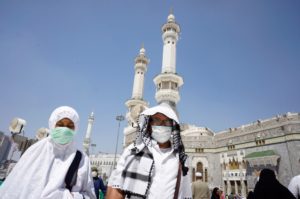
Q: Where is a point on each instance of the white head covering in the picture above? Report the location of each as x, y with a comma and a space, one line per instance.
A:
44, 165
164, 109
198, 174
64, 112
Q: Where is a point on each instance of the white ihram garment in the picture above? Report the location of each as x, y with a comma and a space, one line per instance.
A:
164, 176
41, 171
294, 186
165, 173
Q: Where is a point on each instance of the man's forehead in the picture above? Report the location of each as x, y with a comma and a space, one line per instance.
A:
159, 116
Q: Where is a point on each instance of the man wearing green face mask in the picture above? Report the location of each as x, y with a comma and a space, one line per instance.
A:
42, 170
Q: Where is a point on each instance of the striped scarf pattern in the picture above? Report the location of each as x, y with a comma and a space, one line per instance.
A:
138, 173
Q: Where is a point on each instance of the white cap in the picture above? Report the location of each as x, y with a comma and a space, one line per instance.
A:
164, 109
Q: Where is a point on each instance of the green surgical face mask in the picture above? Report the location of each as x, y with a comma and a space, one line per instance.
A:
62, 135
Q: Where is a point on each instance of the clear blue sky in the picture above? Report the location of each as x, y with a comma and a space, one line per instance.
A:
240, 60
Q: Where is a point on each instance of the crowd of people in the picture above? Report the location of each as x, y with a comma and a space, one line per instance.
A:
154, 166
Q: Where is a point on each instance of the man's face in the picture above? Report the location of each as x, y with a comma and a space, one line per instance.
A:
160, 119
161, 129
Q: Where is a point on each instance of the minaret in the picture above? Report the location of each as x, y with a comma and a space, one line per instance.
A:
140, 67
87, 140
168, 82
136, 104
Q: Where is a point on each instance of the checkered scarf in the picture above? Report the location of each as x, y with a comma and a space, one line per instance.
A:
138, 173
139, 168
143, 137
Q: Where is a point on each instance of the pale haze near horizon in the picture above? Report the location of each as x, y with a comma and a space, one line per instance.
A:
240, 61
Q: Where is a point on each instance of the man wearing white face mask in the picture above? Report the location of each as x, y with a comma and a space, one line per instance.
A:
53, 167
154, 166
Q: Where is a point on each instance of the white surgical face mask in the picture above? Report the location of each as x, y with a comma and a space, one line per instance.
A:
94, 173
161, 133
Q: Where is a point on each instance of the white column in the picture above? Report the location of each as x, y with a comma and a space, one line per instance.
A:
236, 187
228, 187
141, 62
244, 194
170, 37
138, 84
169, 55
87, 140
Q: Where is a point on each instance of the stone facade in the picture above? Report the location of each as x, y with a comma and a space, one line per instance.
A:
232, 159
104, 163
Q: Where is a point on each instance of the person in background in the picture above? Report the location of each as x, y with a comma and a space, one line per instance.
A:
53, 167
269, 187
200, 189
238, 196
215, 193
231, 196
250, 195
98, 183
222, 195
154, 166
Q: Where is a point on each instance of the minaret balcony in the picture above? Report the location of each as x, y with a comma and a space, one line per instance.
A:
168, 77
167, 95
141, 59
133, 102
171, 34
141, 66
171, 26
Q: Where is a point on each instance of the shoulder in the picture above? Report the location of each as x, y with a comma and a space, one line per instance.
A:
128, 150
83, 154
84, 160
295, 181
38, 146
296, 178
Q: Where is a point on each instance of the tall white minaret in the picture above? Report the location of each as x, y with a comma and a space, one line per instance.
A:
140, 67
168, 82
136, 104
87, 140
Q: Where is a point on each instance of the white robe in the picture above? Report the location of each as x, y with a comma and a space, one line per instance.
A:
165, 174
41, 171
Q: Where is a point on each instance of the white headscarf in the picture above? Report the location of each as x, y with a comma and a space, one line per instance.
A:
41, 171
64, 112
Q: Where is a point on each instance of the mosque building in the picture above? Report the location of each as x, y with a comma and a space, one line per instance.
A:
230, 159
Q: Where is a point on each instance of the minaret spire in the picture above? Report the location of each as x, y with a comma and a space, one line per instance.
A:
171, 10
141, 62
87, 140
168, 82
136, 104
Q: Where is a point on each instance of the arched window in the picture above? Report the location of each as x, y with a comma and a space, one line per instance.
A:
199, 168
